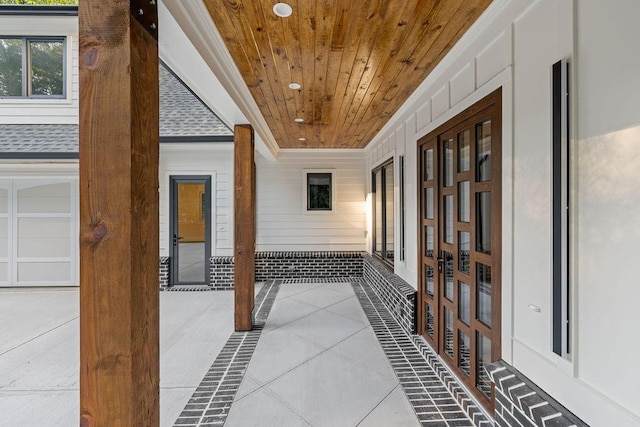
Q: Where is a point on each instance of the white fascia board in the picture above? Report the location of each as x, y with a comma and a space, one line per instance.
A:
195, 22
29, 25
183, 59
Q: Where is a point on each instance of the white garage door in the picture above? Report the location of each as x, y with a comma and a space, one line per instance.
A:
38, 237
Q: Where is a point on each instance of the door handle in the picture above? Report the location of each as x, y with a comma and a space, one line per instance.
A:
176, 238
440, 264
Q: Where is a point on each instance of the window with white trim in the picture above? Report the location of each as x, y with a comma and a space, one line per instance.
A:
318, 191
32, 67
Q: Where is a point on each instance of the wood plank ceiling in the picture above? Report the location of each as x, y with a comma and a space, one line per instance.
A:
356, 61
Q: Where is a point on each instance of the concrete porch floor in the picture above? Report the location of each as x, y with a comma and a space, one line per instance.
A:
39, 352
317, 362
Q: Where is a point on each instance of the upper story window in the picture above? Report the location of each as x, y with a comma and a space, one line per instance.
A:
32, 67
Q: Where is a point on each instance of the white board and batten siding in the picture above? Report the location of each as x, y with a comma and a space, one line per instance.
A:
45, 111
283, 222
512, 47
214, 160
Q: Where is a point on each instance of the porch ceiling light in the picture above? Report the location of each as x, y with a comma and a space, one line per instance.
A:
295, 86
298, 120
302, 139
283, 10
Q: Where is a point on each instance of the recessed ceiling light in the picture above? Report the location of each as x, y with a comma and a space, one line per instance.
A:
302, 139
283, 10
295, 86
298, 120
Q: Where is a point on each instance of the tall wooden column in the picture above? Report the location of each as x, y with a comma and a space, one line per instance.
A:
119, 134
245, 226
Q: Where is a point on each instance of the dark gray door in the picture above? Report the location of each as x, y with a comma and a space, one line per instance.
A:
190, 229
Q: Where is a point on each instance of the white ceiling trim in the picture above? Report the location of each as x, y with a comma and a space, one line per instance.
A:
194, 19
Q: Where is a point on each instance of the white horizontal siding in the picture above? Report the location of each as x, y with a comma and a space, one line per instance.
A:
215, 160
282, 221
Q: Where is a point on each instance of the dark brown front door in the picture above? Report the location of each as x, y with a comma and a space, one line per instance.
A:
460, 242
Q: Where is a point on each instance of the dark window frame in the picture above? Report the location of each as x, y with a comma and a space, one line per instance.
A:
310, 208
26, 78
383, 255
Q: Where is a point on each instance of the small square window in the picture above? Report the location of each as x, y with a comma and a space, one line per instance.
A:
319, 192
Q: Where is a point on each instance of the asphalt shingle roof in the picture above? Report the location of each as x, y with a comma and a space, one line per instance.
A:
38, 138
182, 114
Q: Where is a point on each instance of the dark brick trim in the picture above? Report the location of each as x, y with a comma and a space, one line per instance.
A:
164, 272
520, 403
437, 399
397, 295
222, 272
289, 265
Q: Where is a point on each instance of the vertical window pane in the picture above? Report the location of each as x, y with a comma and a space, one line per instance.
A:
448, 276
4, 200
46, 67
4, 238
428, 165
464, 251
484, 358
191, 229
377, 195
464, 202
448, 219
10, 67
428, 236
464, 353
483, 151
319, 191
428, 203
402, 210
49, 198
483, 285
448, 332
428, 279
428, 320
389, 211
464, 150
447, 160
464, 302
483, 222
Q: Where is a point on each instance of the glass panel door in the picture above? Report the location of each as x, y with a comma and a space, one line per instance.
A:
428, 310
191, 230
459, 211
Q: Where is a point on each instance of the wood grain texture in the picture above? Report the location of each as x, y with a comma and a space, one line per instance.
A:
245, 226
357, 62
119, 134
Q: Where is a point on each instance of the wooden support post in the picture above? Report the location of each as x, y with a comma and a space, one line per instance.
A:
119, 134
245, 226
